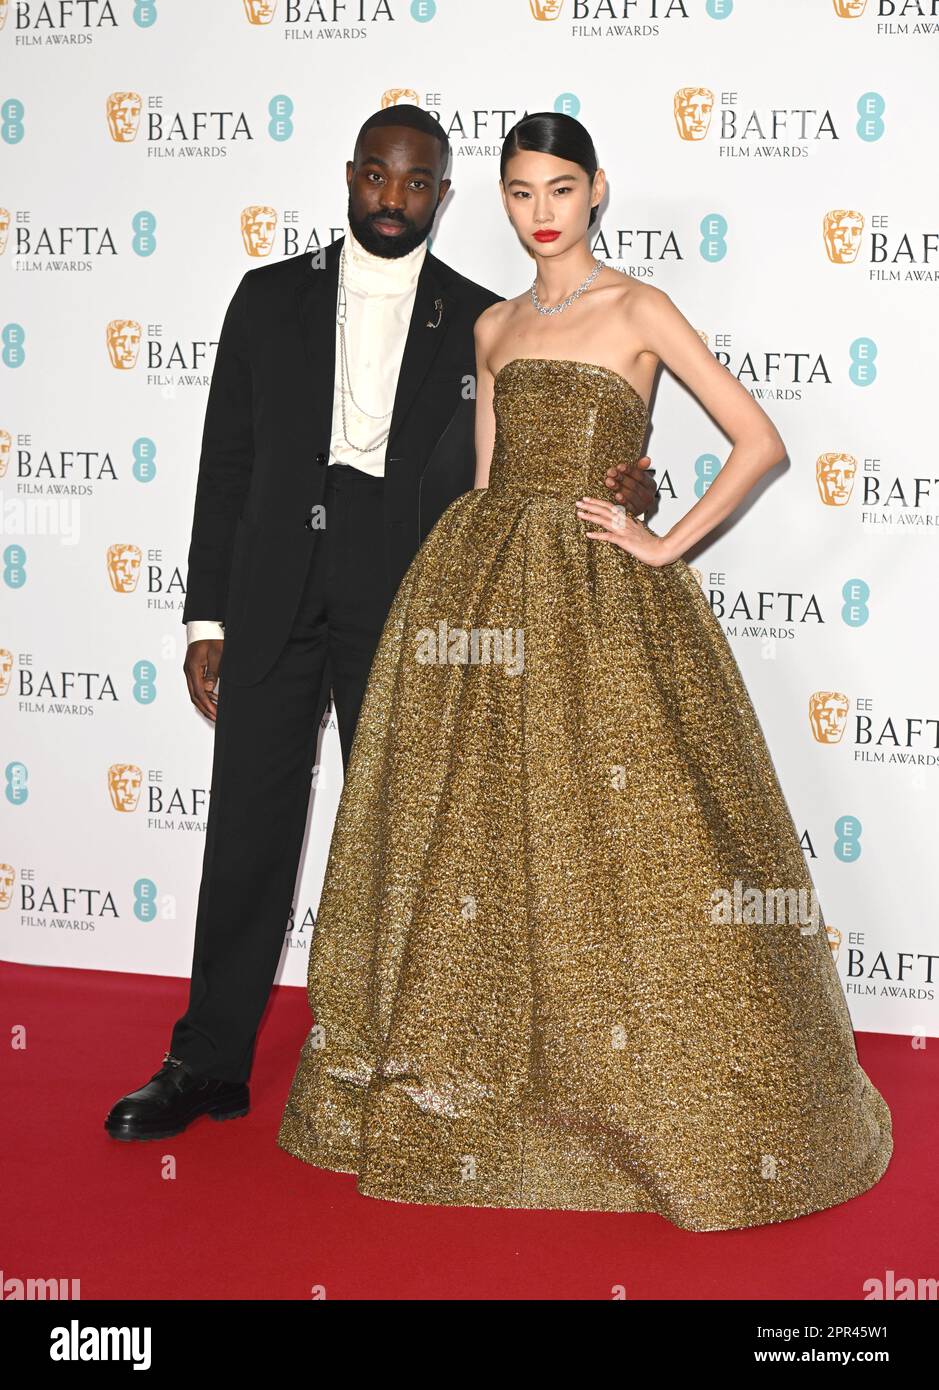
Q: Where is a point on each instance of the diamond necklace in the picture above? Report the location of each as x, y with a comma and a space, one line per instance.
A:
344, 384
556, 308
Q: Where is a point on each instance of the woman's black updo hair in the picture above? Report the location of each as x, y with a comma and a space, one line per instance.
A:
552, 132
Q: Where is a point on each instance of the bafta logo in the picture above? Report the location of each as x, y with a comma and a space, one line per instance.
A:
260, 11
123, 343
6, 444
841, 229
850, 9
394, 95
6, 669
124, 786
4, 229
123, 567
546, 9
258, 225
124, 116
7, 879
699, 577
834, 474
828, 715
693, 106
834, 939
3, 13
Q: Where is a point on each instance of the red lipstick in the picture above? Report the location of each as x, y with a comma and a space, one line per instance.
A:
546, 236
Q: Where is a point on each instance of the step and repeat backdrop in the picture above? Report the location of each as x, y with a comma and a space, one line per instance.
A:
769, 166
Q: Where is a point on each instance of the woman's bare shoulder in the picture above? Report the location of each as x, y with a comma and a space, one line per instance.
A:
493, 322
498, 314
630, 293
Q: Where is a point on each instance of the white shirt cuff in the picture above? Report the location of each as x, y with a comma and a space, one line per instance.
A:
199, 631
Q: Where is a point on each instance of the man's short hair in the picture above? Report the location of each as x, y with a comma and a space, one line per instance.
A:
415, 117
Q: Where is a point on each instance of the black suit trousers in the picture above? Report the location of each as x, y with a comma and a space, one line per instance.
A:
265, 747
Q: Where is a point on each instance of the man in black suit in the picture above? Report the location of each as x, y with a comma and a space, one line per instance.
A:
342, 388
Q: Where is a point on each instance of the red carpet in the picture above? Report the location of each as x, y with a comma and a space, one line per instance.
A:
239, 1218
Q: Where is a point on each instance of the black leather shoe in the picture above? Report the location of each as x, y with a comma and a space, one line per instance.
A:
172, 1098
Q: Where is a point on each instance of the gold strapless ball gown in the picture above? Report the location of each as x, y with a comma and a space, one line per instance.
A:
520, 996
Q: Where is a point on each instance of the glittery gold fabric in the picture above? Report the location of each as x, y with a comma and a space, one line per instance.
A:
519, 992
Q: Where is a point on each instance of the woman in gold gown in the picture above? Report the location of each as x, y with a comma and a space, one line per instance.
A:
523, 992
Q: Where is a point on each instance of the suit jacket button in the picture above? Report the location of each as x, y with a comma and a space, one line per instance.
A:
320, 458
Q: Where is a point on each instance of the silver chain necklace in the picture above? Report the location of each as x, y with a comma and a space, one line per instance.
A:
344, 375
557, 308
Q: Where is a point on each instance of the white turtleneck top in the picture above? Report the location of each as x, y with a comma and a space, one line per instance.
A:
379, 299
379, 292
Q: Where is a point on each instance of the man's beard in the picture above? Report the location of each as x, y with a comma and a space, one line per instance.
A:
388, 246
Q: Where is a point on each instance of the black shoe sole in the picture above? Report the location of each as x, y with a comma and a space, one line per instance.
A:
128, 1133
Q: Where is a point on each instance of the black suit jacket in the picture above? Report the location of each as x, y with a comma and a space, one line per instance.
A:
265, 444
